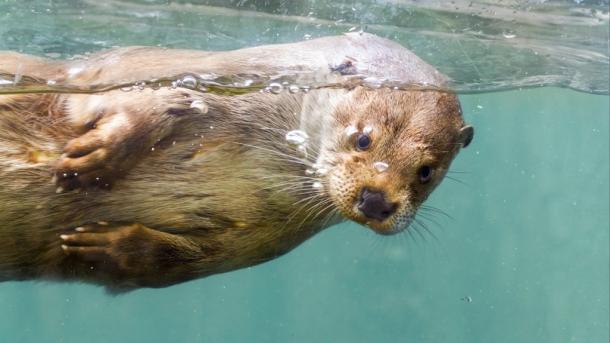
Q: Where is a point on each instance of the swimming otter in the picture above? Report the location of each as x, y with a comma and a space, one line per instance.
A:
154, 187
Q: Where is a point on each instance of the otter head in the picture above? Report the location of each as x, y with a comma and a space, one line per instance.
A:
386, 152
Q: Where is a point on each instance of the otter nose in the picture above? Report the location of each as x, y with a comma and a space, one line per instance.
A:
373, 205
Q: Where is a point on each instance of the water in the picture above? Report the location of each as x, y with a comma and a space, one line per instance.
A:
524, 256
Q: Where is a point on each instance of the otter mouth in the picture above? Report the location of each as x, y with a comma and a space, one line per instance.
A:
373, 209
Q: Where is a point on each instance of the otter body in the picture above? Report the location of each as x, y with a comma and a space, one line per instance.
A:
153, 187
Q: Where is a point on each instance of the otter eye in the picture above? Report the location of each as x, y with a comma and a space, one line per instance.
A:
425, 174
363, 141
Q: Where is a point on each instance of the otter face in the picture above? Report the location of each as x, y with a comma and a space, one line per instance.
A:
388, 150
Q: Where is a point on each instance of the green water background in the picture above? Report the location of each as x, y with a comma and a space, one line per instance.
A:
527, 242
523, 258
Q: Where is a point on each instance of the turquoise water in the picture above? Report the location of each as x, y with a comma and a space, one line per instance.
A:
524, 255
527, 244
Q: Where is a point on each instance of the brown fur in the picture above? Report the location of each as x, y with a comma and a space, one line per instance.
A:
192, 193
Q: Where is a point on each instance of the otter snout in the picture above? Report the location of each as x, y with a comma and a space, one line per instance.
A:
374, 205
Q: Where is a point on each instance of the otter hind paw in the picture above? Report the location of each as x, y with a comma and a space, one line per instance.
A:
118, 246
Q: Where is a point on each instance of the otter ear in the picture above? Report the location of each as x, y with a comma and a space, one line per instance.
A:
466, 134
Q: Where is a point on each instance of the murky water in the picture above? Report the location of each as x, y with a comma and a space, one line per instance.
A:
523, 255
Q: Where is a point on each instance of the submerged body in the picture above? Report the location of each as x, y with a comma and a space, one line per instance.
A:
155, 187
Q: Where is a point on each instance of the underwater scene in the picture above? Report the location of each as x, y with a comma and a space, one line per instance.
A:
304, 171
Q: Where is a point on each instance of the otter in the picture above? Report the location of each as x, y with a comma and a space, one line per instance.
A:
157, 186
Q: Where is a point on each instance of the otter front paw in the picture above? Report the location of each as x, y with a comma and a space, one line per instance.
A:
97, 158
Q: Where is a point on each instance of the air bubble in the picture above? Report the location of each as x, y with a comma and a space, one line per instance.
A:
275, 88
293, 89
321, 171
307, 36
302, 149
141, 85
189, 81
380, 167
200, 106
127, 88
297, 137
350, 130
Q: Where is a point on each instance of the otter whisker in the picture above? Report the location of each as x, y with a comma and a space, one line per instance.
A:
427, 217
329, 205
308, 201
290, 157
316, 206
457, 180
311, 211
277, 176
334, 212
415, 228
457, 172
291, 184
315, 195
428, 208
425, 227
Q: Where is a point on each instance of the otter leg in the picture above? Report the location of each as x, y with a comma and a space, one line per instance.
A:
127, 256
117, 130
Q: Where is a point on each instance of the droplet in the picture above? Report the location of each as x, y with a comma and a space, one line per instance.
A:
302, 149
508, 35
380, 166
297, 137
305, 89
368, 130
309, 172
200, 106
189, 81
51, 82
307, 36
293, 89
127, 88
174, 84
275, 87
141, 85
321, 171
351, 130
317, 185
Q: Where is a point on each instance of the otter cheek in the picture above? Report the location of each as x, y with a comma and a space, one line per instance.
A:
341, 189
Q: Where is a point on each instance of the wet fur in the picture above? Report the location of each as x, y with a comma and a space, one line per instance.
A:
210, 196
